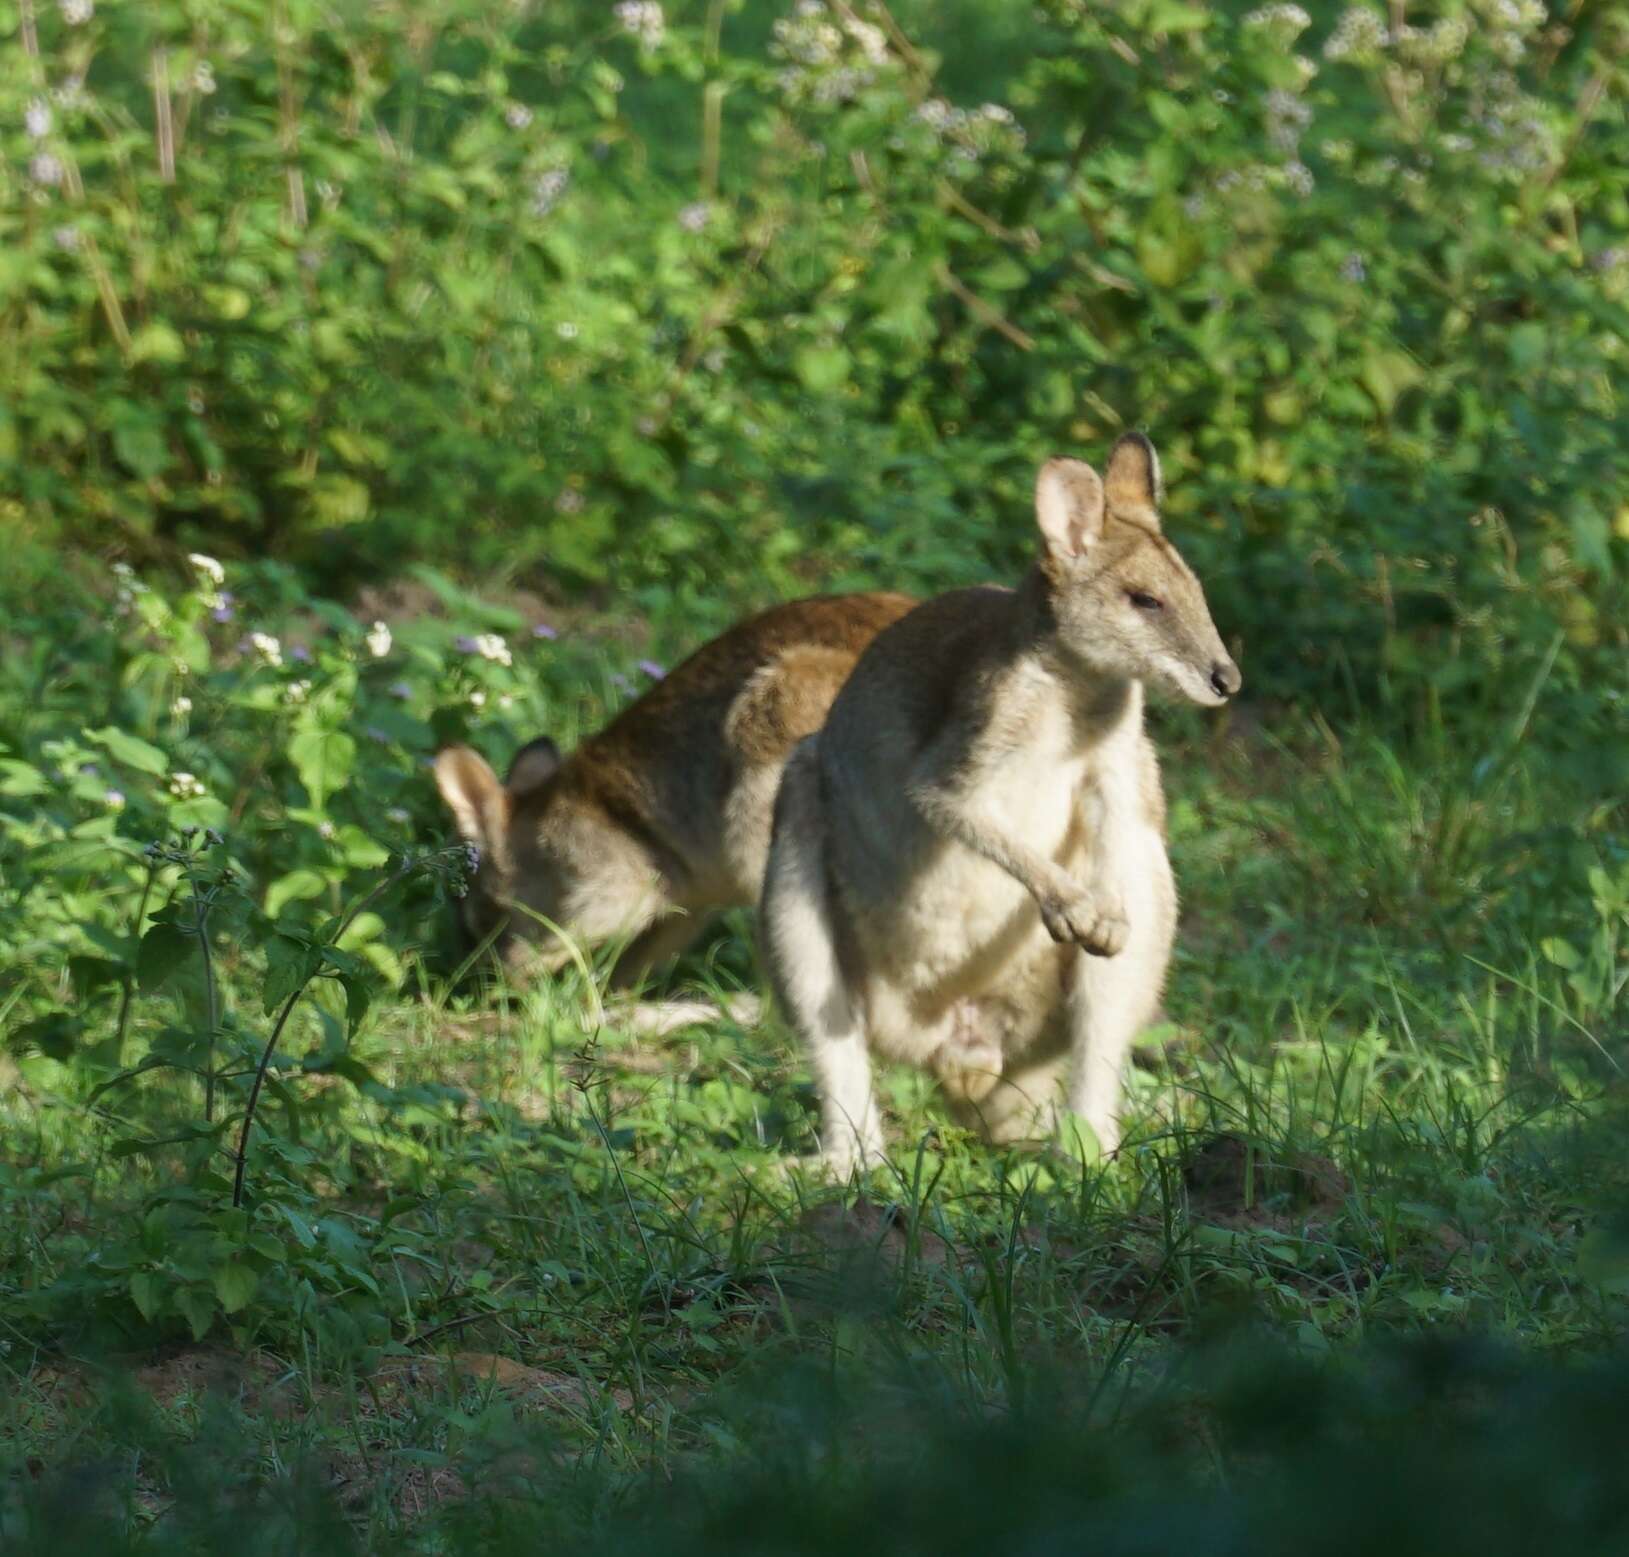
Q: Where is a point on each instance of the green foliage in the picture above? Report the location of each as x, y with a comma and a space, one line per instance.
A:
717, 302
714, 306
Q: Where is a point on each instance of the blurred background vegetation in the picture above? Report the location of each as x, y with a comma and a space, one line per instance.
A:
724, 302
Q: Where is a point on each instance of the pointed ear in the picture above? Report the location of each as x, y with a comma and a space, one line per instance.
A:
1068, 507
532, 767
473, 794
1133, 481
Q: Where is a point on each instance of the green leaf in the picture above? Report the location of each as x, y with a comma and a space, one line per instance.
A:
822, 368
323, 759
147, 1292
234, 1285
358, 997
1386, 375
130, 750
21, 780
359, 849
198, 1309
289, 965
54, 1036
164, 948
296, 886
141, 446
156, 342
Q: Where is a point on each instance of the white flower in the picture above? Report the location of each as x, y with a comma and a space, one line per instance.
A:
1359, 35
77, 12
114, 799
398, 815
203, 78
477, 699
547, 189
325, 830
491, 647
267, 647
208, 566
379, 640
181, 707
570, 501
1353, 268
66, 238
517, 116
37, 119
873, 41
184, 786
644, 19
45, 169
566, 330
695, 216
1287, 21
297, 691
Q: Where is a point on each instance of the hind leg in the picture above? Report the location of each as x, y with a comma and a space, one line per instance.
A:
801, 949
1114, 998
653, 946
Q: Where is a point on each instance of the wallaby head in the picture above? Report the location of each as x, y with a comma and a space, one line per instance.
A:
483, 809
1123, 602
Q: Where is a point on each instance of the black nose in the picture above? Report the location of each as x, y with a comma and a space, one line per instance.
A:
1225, 679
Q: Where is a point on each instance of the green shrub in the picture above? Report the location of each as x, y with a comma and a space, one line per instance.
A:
725, 302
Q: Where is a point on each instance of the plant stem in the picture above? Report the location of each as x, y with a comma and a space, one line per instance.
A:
201, 910
129, 993
242, 1161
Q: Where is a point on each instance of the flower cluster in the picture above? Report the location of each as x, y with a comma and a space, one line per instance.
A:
969, 134
1283, 23
547, 188
129, 587
488, 645
829, 58
379, 640
1359, 36
186, 786
267, 647
644, 19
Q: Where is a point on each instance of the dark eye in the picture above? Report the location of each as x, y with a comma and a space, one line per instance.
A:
1143, 601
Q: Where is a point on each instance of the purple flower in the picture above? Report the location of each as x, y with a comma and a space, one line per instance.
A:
466, 644
400, 689
298, 651
652, 669
545, 630
223, 611
374, 733
621, 683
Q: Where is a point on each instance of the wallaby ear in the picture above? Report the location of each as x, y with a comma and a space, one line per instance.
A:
1133, 480
473, 795
533, 766
1068, 507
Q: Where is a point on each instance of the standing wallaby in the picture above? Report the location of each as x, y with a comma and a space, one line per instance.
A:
664, 816
968, 869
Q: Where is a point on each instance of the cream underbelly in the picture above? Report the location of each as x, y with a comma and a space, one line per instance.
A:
981, 963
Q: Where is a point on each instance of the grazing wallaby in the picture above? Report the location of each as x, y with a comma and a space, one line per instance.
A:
664, 816
968, 869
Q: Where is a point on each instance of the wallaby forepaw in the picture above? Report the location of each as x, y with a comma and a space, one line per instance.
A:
1098, 927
